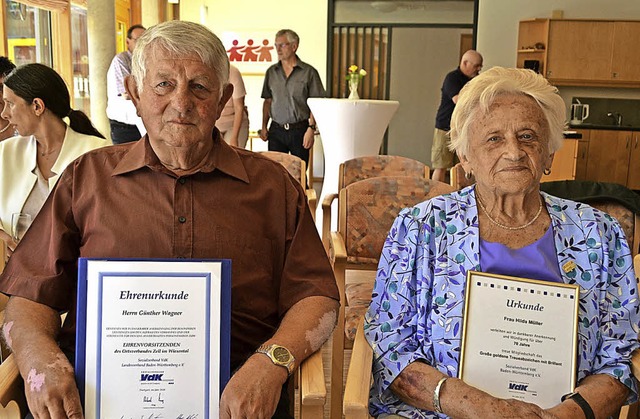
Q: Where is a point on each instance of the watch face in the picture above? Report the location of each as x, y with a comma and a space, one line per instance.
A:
281, 354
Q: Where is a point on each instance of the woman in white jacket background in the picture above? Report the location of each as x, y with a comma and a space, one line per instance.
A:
51, 135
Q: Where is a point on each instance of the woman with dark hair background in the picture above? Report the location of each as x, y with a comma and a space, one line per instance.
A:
51, 135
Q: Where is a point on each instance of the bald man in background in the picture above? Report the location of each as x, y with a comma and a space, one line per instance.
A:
441, 157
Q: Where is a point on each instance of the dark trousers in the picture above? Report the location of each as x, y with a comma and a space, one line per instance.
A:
123, 133
289, 141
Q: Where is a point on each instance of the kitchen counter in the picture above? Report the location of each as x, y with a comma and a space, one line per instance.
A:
622, 127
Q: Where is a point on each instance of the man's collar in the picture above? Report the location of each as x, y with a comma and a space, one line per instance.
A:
221, 157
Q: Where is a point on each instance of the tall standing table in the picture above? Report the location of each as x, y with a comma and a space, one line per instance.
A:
349, 128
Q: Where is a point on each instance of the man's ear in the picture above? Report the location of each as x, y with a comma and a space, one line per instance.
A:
131, 86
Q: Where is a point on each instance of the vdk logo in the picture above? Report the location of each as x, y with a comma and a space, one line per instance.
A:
519, 387
151, 377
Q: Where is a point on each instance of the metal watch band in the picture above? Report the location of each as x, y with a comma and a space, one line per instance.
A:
268, 350
584, 405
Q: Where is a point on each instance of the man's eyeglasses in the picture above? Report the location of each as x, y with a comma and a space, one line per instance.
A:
283, 44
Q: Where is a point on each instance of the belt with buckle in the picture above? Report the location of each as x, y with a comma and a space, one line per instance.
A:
287, 126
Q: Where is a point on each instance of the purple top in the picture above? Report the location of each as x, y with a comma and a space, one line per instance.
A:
535, 261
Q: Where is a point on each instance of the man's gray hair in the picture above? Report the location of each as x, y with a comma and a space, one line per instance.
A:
478, 95
180, 39
291, 36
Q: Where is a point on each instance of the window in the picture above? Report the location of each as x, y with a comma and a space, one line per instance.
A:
28, 34
80, 57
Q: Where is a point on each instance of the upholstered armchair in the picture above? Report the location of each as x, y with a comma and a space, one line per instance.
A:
297, 168
366, 167
367, 209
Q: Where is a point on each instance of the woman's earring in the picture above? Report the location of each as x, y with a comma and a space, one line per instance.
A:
547, 172
468, 175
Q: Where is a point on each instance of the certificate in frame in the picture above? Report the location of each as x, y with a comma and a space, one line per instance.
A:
520, 337
153, 337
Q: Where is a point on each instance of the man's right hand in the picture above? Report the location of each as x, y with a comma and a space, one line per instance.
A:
10, 244
264, 133
51, 390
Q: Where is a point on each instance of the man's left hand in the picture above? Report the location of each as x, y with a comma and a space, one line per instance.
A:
254, 390
309, 138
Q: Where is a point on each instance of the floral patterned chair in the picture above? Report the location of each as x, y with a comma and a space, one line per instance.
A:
367, 209
366, 167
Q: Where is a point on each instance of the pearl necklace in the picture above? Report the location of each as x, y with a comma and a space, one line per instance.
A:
533, 220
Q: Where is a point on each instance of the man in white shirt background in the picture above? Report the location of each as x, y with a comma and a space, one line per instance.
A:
125, 124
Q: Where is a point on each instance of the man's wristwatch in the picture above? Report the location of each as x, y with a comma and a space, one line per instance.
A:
576, 397
279, 355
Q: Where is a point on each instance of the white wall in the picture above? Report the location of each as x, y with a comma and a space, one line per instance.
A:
498, 32
404, 12
417, 86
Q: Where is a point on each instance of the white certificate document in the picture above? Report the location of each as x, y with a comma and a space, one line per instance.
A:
152, 337
520, 338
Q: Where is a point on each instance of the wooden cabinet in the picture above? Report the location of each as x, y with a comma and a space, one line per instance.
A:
633, 177
583, 154
579, 50
608, 159
583, 52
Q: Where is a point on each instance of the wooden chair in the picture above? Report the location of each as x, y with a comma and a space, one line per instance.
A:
13, 404
366, 167
297, 168
359, 378
367, 209
457, 177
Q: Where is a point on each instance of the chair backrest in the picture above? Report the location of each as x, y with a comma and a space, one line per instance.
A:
369, 207
458, 179
294, 164
366, 167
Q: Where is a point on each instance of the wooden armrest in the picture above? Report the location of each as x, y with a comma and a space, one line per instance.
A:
11, 390
312, 386
312, 199
635, 363
3, 253
356, 390
326, 218
337, 249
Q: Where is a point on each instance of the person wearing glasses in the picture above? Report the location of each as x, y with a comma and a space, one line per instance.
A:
287, 86
125, 123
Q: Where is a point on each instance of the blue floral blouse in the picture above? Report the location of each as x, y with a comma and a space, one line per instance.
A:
417, 306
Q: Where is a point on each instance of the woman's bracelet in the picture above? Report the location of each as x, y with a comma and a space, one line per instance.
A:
436, 395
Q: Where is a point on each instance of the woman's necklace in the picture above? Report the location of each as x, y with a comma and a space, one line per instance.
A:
6, 127
48, 152
533, 220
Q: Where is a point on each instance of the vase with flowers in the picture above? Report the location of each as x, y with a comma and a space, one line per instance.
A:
354, 75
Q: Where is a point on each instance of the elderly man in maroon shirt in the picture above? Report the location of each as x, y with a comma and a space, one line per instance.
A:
180, 192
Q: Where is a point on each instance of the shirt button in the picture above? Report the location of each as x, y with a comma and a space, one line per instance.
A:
182, 180
182, 219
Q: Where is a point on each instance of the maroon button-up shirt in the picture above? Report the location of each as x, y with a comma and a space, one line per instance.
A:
121, 202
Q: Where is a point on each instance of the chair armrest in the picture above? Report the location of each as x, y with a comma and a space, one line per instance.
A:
337, 249
326, 218
11, 387
356, 391
312, 385
312, 199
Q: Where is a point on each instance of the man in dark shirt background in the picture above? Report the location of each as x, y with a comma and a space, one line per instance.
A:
441, 157
287, 86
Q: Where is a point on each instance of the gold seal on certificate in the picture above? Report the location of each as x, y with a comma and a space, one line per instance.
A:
519, 337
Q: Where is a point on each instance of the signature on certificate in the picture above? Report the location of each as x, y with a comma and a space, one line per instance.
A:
151, 416
191, 416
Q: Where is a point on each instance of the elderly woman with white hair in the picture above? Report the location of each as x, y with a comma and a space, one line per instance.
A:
506, 127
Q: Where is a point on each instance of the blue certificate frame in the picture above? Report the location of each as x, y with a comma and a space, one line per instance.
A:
152, 354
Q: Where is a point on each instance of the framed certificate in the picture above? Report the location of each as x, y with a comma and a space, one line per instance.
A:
519, 337
153, 337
